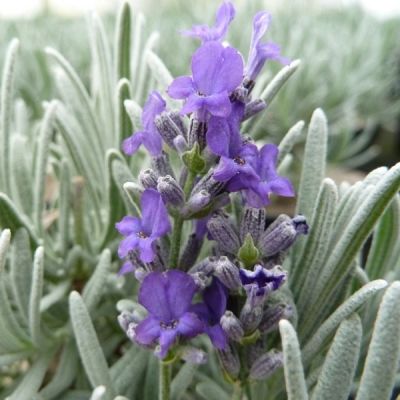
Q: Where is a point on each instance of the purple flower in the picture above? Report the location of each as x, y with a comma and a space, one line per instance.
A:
261, 52
142, 232
225, 15
261, 281
269, 182
167, 297
211, 311
237, 157
216, 72
149, 136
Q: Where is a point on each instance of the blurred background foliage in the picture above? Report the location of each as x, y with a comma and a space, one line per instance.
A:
350, 67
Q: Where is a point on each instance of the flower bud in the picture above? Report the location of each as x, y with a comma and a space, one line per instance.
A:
197, 133
250, 316
253, 107
140, 274
193, 355
206, 266
209, 184
201, 279
130, 332
170, 190
190, 252
253, 222
230, 361
126, 318
197, 202
180, 144
266, 365
232, 326
148, 178
224, 233
227, 273
281, 234
161, 165
272, 314
167, 127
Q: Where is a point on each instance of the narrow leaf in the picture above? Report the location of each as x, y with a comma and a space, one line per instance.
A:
122, 44
182, 380
293, 136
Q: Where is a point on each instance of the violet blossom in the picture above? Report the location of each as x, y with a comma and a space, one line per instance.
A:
216, 72
211, 311
141, 233
261, 52
149, 136
167, 297
224, 16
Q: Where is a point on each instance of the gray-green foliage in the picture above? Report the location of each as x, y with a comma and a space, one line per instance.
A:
64, 183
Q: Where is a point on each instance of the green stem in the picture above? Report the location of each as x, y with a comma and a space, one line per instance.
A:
165, 381
178, 224
237, 392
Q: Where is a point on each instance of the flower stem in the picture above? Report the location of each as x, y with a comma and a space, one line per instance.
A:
237, 392
178, 224
165, 381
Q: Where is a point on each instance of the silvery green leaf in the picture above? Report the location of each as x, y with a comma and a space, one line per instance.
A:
32, 380
151, 381
64, 208
12, 219
91, 354
35, 296
296, 388
313, 170
182, 380
10, 358
326, 329
6, 101
21, 270
334, 382
211, 391
123, 127
94, 288
158, 69
57, 293
98, 393
65, 374
310, 261
129, 370
122, 43
293, 137
45, 135
136, 48
381, 364
134, 112
384, 251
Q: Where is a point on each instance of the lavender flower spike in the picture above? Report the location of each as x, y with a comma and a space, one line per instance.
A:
149, 136
225, 15
216, 72
261, 52
142, 232
167, 297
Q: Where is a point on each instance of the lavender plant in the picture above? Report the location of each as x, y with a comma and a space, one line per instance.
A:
228, 304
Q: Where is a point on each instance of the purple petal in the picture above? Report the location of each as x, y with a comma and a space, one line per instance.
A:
167, 339
153, 142
180, 290
216, 69
261, 23
153, 297
155, 221
190, 325
181, 87
218, 136
154, 105
215, 297
282, 187
128, 225
126, 268
218, 105
131, 144
161, 223
226, 169
217, 336
267, 161
147, 252
127, 244
147, 331
193, 103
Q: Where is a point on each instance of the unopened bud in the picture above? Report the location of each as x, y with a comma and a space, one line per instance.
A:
148, 178
197, 202
197, 133
126, 318
253, 107
230, 361
193, 355
140, 274
253, 222
170, 190
227, 273
167, 127
190, 252
201, 279
209, 184
266, 365
180, 144
161, 165
206, 266
131, 331
232, 326
281, 234
224, 233
272, 314
250, 316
